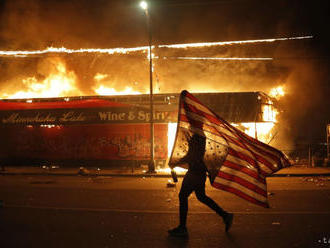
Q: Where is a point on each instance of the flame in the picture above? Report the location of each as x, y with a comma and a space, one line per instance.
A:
277, 92
58, 83
104, 90
99, 77
59, 50
259, 130
122, 50
269, 113
178, 170
220, 58
224, 43
171, 132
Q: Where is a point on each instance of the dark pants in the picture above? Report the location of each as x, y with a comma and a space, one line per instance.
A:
195, 182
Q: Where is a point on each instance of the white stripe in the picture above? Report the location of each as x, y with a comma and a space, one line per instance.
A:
230, 157
213, 137
203, 119
221, 141
239, 187
246, 164
226, 127
239, 161
246, 152
198, 106
244, 176
220, 129
252, 146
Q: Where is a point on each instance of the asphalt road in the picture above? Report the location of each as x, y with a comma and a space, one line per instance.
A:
73, 211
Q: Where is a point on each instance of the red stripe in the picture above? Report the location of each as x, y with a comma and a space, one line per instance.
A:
242, 182
242, 156
233, 152
238, 134
191, 97
211, 118
240, 194
206, 127
241, 136
259, 158
230, 127
264, 161
243, 169
239, 143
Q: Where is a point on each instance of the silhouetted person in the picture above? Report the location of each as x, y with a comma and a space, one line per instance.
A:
194, 180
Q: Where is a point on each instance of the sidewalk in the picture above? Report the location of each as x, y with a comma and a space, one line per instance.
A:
293, 171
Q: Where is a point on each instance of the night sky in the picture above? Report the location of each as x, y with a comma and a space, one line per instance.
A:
302, 66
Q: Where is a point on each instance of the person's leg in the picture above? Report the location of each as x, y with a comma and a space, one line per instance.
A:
186, 190
202, 197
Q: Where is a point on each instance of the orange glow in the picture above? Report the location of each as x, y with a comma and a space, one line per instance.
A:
107, 91
60, 50
121, 50
178, 170
171, 132
58, 83
277, 92
260, 130
269, 113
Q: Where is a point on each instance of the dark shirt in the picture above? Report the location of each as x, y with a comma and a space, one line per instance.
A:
195, 155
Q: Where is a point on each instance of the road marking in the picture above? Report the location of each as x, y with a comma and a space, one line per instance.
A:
160, 212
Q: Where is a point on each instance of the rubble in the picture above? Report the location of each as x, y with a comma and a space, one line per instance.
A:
83, 171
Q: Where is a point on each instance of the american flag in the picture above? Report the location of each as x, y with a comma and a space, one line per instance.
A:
236, 162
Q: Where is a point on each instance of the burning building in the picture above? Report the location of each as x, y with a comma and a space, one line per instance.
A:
114, 130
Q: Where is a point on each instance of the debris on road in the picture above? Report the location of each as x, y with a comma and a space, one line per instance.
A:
170, 184
83, 171
276, 223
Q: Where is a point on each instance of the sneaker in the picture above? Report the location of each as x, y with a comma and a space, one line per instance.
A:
178, 232
228, 220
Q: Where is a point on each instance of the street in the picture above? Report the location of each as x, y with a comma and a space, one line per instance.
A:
81, 211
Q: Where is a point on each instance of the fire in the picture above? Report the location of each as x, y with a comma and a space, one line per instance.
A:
220, 58
58, 83
269, 113
121, 50
259, 130
106, 91
224, 43
277, 92
171, 132
61, 50
103, 89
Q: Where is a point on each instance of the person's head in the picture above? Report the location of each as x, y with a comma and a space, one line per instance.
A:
197, 141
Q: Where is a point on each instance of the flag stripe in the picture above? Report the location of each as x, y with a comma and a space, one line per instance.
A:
262, 159
240, 194
251, 173
241, 188
238, 134
241, 163
244, 181
243, 154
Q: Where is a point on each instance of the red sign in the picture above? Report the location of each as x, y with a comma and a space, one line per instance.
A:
74, 142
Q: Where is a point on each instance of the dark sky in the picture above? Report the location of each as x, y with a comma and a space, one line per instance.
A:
104, 23
301, 65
